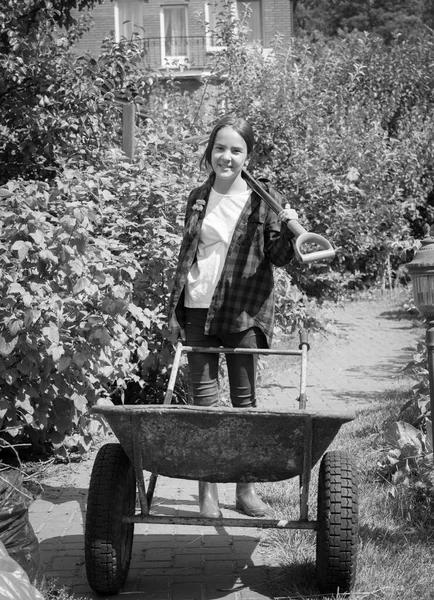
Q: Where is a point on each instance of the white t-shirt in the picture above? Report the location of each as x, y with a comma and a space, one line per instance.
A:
221, 217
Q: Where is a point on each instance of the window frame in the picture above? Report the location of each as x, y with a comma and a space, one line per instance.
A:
119, 25
208, 38
179, 60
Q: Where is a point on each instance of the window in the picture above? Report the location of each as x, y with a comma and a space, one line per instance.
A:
254, 20
174, 34
215, 11
128, 19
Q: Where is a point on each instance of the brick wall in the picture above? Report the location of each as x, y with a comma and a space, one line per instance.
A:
103, 24
277, 19
276, 15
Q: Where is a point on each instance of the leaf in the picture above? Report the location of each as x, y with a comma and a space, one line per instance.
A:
68, 223
7, 347
138, 314
119, 291
56, 352
64, 363
106, 371
143, 351
79, 359
81, 285
5, 406
80, 402
27, 299
107, 195
102, 335
76, 266
11, 376
404, 436
16, 288
22, 248
37, 236
15, 326
25, 367
48, 256
13, 431
52, 333
31, 316
25, 405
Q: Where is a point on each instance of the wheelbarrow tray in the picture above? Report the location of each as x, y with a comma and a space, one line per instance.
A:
222, 444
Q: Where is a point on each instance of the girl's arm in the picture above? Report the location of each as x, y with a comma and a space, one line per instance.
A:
277, 238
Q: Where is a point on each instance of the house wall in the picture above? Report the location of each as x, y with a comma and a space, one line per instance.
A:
103, 24
276, 19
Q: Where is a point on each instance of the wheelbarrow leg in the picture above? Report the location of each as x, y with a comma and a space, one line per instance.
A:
138, 468
306, 471
167, 400
146, 497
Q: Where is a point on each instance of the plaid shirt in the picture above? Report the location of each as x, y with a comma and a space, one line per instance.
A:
244, 295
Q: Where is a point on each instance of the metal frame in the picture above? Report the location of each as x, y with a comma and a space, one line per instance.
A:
146, 495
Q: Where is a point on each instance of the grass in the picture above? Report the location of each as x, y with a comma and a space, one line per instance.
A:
396, 550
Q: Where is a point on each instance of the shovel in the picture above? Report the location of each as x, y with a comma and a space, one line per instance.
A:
301, 235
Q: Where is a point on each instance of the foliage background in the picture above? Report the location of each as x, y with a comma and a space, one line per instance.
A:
384, 18
89, 240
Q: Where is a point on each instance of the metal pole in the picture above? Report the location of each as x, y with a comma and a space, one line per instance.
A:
430, 347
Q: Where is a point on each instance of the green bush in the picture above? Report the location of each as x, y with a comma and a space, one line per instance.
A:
87, 259
345, 131
85, 265
57, 106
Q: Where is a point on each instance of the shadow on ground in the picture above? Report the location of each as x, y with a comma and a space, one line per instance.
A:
161, 569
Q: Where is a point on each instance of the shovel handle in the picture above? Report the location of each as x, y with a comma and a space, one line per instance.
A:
327, 250
301, 235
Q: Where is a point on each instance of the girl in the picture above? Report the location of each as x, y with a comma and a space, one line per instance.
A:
223, 287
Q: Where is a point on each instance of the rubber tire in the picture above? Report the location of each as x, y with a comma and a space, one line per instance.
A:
337, 536
108, 541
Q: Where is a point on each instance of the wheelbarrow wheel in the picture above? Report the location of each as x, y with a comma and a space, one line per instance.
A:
337, 537
109, 541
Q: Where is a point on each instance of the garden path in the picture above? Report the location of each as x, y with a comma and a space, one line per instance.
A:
349, 368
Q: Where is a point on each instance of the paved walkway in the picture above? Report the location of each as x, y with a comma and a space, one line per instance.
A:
361, 357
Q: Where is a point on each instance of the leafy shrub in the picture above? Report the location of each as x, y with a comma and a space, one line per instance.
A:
69, 327
345, 132
406, 467
86, 260
56, 106
85, 268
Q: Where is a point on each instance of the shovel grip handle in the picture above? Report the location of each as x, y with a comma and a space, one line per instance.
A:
327, 251
301, 235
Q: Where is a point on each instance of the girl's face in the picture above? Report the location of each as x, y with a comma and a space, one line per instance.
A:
229, 154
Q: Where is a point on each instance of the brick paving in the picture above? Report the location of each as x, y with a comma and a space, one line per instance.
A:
368, 345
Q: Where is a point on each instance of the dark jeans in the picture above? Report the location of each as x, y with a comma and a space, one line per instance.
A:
204, 366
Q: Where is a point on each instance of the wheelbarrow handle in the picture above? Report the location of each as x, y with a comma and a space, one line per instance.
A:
173, 374
301, 235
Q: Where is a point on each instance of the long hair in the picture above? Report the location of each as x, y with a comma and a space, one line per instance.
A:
238, 124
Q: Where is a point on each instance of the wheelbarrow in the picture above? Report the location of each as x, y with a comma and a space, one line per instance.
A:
242, 445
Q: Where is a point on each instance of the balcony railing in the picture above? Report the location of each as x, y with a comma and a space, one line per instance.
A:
192, 52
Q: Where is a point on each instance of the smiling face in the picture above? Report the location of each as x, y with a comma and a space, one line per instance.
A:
228, 156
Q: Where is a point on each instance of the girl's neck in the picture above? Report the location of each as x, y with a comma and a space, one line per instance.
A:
223, 186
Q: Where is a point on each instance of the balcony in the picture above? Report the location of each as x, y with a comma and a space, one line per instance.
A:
185, 55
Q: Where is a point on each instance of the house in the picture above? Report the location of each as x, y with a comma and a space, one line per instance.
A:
179, 33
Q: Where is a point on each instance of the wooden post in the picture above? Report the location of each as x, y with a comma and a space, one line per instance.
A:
291, 20
128, 129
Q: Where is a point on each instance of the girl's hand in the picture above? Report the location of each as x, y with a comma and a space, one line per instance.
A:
288, 214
